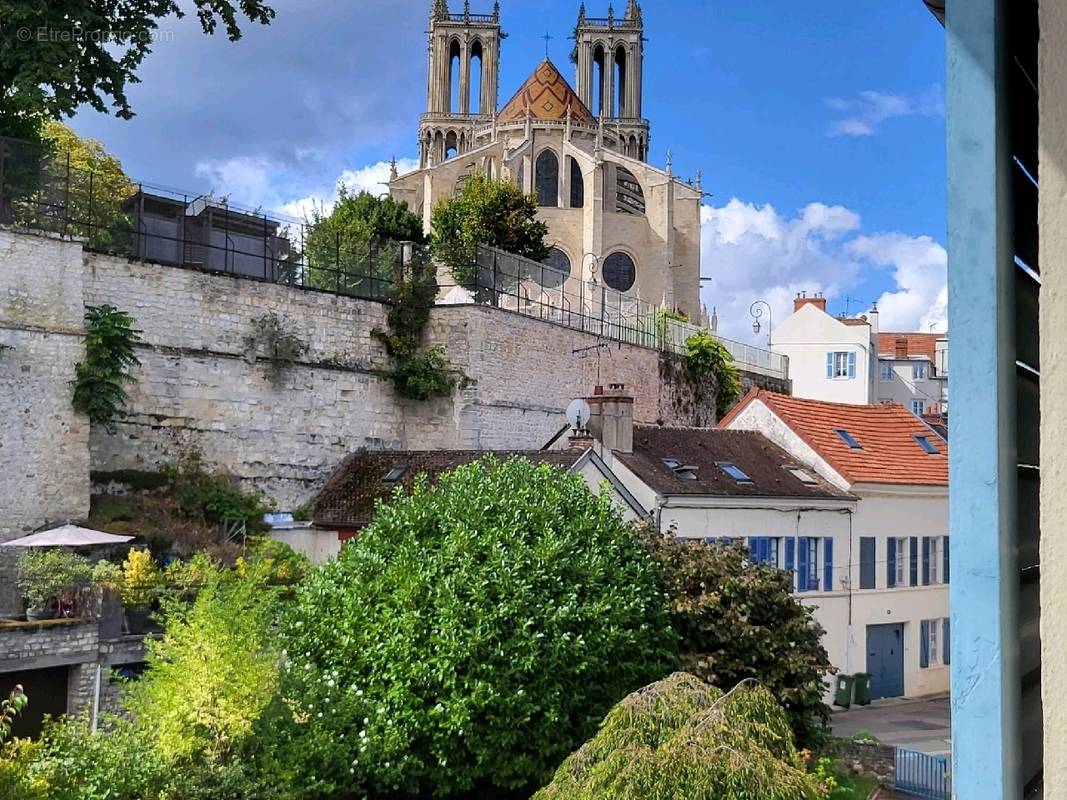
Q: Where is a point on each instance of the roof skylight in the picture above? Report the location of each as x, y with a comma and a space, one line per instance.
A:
393, 475
734, 472
803, 475
925, 443
685, 472
848, 439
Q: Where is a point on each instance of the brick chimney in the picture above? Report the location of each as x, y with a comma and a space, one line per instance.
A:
611, 417
816, 300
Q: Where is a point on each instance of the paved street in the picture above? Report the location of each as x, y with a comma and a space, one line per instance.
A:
921, 724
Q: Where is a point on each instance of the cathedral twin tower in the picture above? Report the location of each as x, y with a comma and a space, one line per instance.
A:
614, 219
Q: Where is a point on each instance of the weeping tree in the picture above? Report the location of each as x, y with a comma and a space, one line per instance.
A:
683, 739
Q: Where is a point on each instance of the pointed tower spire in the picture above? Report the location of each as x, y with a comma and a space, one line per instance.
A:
633, 12
439, 9
392, 169
496, 11
714, 324
581, 14
698, 185
669, 159
611, 15
467, 10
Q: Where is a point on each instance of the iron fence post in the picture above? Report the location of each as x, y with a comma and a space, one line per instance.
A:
90, 233
66, 198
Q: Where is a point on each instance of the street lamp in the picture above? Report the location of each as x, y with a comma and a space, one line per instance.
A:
756, 313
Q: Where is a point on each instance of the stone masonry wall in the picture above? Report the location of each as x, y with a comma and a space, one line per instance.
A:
203, 381
43, 443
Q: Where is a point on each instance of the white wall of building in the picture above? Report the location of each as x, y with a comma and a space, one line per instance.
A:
908, 381
807, 336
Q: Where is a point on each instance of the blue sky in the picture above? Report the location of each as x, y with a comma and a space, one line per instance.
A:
818, 126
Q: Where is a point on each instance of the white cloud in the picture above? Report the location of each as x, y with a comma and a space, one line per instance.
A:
865, 113
920, 271
262, 183
753, 252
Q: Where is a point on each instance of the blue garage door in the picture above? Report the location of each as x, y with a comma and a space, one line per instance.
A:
885, 660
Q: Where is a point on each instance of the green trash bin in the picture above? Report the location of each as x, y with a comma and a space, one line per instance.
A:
843, 691
863, 688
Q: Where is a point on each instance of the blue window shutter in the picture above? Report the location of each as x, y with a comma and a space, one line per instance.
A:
765, 549
802, 564
790, 551
924, 643
828, 564
914, 565
944, 572
946, 657
926, 561
868, 551
753, 548
890, 562
852, 365
829, 365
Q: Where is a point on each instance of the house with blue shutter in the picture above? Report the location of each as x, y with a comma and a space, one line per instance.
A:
884, 600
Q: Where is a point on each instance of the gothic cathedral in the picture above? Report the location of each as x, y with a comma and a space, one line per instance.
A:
612, 217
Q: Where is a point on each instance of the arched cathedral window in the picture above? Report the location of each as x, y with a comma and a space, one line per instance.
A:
546, 179
559, 264
577, 183
629, 199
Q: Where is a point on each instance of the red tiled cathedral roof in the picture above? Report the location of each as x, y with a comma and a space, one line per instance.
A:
547, 95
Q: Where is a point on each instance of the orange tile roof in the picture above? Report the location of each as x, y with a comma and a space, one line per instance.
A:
919, 344
547, 95
887, 433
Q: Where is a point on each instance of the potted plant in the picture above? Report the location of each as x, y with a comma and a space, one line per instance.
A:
140, 578
38, 580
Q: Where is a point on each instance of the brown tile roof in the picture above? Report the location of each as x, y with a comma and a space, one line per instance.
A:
548, 96
348, 497
705, 449
918, 344
889, 454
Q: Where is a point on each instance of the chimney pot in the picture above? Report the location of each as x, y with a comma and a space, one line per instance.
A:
816, 300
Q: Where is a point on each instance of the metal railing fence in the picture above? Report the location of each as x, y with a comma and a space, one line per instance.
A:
45, 190
921, 775
508, 281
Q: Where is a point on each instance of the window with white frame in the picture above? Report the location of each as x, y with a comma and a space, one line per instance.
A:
901, 563
841, 362
935, 559
934, 647
918, 370
918, 407
887, 370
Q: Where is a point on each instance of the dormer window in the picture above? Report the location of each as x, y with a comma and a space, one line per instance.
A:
848, 439
685, 472
734, 472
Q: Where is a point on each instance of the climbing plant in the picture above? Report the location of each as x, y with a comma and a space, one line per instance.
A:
415, 375
109, 355
281, 345
704, 355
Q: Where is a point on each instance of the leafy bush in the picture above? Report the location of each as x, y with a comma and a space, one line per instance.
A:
740, 620
44, 572
17, 780
276, 561
212, 673
487, 212
214, 498
279, 344
470, 637
423, 376
707, 355
140, 579
109, 356
682, 739
107, 574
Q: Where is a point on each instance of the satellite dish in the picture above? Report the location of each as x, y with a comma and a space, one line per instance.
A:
578, 413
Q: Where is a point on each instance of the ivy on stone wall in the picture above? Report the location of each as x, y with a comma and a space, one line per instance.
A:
415, 375
109, 356
707, 355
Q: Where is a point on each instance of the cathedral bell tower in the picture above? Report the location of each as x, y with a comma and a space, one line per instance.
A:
609, 52
461, 80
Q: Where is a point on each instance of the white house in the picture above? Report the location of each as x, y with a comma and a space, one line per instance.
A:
888, 614
849, 360
830, 358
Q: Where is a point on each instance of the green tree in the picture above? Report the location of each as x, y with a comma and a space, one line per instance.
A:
487, 212
470, 637
98, 382
55, 57
356, 247
704, 355
683, 739
740, 620
94, 188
